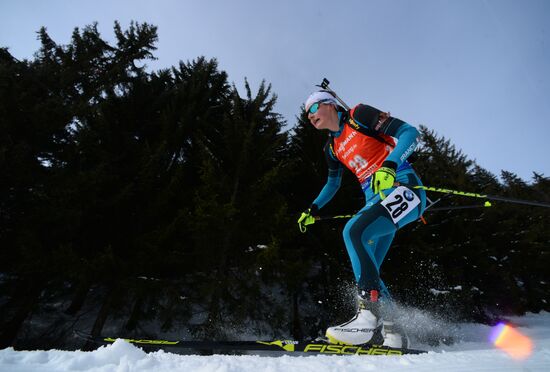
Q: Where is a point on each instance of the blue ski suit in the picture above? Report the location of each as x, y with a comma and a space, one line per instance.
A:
365, 140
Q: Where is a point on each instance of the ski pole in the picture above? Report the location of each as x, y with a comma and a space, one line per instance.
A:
453, 207
451, 192
476, 195
323, 218
324, 84
344, 216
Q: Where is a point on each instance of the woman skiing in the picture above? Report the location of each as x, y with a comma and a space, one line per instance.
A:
363, 139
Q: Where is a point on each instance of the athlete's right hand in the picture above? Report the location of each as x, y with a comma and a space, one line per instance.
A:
305, 219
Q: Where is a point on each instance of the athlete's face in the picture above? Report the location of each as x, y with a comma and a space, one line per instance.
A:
326, 117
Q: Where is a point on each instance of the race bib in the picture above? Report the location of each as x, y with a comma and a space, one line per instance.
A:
400, 203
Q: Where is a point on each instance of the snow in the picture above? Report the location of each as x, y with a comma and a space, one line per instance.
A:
438, 292
475, 353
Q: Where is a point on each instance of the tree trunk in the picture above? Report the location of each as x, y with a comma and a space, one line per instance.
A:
297, 331
25, 298
102, 316
135, 315
79, 298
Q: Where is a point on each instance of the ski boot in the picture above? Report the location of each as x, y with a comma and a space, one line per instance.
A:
365, 327
394, 335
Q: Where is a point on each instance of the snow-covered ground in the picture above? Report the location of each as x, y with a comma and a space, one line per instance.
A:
475, 353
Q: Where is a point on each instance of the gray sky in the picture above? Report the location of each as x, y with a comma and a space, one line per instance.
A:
476, 71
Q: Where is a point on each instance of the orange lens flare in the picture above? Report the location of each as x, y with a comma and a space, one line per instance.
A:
509, 339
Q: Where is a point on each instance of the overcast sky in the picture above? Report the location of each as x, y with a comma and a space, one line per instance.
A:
476, 71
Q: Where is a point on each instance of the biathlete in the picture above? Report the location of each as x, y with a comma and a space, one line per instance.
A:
375, 147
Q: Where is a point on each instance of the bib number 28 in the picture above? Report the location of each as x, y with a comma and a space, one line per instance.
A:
400, 203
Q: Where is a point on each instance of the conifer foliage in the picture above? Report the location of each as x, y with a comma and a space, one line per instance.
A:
131, 198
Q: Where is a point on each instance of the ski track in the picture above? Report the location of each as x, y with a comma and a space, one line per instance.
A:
124, 357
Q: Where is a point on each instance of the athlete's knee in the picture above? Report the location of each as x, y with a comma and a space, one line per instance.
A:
347, 231
353, 229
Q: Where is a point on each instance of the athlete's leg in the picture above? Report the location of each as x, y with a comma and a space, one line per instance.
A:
361, 234
368, 235
382, 247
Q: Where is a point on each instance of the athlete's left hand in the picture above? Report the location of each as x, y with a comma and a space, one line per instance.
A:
383, 178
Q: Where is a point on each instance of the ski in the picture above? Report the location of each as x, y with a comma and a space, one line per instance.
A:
318, 346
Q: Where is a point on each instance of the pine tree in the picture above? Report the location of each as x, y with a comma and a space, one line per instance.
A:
237, 199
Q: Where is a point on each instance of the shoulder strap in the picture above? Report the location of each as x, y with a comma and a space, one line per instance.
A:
382, 119
363, 129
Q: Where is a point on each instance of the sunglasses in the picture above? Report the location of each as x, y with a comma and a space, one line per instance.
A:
315, 107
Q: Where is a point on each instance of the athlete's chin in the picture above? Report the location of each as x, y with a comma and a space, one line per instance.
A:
319, 125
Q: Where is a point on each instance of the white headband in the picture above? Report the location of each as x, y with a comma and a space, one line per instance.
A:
320, 96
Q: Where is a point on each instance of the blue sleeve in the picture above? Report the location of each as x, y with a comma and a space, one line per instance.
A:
377, 122
329, 190
334, 179
407, 140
